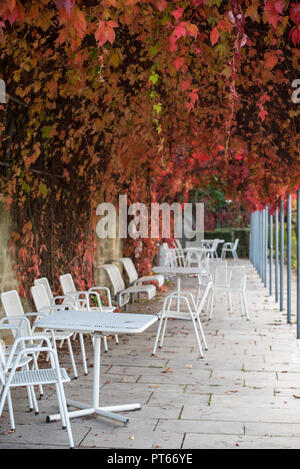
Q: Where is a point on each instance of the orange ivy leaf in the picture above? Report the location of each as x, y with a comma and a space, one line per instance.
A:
214, 36
271, 59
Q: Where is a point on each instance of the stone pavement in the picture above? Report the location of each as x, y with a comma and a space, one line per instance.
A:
244, 394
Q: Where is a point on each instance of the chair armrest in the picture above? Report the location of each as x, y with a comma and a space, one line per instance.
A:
226, 245
75, 296
106, 289
47, 309
59, 297
10, 327
12, 362
32, 314
22, 319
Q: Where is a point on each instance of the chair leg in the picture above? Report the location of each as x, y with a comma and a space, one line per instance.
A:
163, 333
11, 412
157, 335
35, 363
202, 333
197, 337
64, 411
35, 404
29, 394
82, 347
72, 358
105, 344
246, 305
211, 304
229, 301
242, 304
61, 411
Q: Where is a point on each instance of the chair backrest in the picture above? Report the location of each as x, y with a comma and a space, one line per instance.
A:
44, 281
169, 256
13, 307
67, 283
2, 362
212, 265
129, 268
215, 243
221, 275
201, 303
115, 277
236, 242
40, 297
179, 245
237, 277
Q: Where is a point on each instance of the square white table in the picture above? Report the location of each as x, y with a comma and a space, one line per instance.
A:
97, 325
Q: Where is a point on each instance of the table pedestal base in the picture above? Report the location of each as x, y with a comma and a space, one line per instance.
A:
108, 411
95, 409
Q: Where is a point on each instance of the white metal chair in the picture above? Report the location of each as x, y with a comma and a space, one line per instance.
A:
23, 363
81, 299
230, 247
43, 305
121, 293
14, 315
237, 284
171, 256
218, 272
13, 310
132, 274
10, 377
231, 279
181, 254
195, 256
192, 313
52, 299
212, 246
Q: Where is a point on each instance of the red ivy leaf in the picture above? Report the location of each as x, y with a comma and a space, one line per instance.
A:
106, 32
177, 13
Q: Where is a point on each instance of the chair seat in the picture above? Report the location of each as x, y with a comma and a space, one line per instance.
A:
23, 361
149, 289
35, 377
149, 278
174, 315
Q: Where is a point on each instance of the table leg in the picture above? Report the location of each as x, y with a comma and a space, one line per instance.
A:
85, 409
178, 293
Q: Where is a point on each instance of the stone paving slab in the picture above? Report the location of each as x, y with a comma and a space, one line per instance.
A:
195, 441
245, 393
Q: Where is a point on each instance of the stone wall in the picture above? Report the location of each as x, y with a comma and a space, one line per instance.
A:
107, 250
7, 278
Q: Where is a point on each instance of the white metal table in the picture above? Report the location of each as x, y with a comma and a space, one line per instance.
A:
97, 325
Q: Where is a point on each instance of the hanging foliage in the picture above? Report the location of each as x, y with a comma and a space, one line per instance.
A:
149, 98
